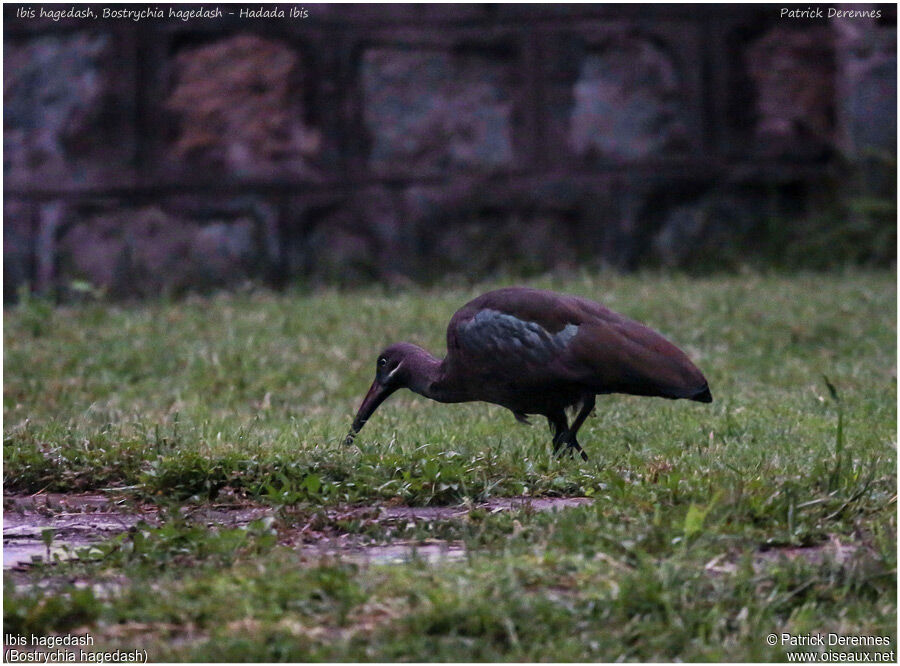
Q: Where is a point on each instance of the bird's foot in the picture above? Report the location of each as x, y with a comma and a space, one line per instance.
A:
572, 446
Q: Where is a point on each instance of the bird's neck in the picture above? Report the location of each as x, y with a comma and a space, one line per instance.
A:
429, 378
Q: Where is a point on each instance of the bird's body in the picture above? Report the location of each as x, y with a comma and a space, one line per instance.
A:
539, 352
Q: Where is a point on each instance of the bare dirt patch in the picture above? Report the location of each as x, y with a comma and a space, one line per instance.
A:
833, 550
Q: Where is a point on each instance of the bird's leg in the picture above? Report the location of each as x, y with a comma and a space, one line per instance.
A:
587, 406
560, 425
562, 434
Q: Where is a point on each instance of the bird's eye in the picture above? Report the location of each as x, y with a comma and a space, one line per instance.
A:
382, 362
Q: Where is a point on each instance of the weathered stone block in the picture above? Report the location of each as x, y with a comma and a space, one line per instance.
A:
764, 219
867, 90
154, 250
65, 117
347, 240
710, 232
793, 75
239, 107
18, 247
526, 227
872, 108
618, 95
432, 110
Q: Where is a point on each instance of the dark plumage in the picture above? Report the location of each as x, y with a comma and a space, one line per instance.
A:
538, 352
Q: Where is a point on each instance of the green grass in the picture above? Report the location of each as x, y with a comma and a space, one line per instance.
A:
253, 394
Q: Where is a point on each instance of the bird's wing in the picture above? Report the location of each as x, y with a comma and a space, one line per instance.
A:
500, 338
538, 337
628, 357
517, 335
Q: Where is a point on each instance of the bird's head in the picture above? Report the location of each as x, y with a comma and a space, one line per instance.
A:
392, 372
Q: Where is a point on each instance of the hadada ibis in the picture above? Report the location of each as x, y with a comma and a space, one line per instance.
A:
538, 352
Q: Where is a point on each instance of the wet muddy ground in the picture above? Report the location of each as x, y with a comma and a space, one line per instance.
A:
79, 520
76, 521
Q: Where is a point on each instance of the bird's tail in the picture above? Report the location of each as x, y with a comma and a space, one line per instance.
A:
703, 395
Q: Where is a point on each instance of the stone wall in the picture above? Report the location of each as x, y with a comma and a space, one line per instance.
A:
411, 142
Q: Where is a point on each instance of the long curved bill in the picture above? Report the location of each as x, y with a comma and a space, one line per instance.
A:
377, 394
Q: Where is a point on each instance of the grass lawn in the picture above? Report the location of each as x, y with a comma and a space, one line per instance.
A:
771, 510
